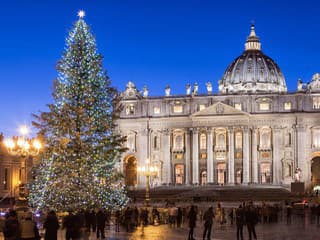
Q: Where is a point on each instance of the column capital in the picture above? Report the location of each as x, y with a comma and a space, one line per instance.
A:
209, 130
195, 130
254, 128
276, 128
145, 132
166, 131
231, 129
245, 129
299, 127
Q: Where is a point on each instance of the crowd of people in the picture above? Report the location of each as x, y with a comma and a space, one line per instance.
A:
81, 224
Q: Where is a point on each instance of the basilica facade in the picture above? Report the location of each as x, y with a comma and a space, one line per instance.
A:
253, 131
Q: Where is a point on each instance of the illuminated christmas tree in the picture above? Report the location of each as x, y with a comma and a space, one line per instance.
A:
76, 169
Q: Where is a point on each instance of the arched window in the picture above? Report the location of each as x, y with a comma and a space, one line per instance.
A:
178, 142
238, 140
204, 177
203, 141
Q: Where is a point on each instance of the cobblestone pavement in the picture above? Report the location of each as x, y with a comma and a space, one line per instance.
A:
279, 231
274, 231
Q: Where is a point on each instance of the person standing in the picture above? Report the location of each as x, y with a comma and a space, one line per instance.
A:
208, 221
179, 217
101, 223
72, 224
51, 225
251, 218
192, 216
240, 222
118, 220
11, 228
29, 229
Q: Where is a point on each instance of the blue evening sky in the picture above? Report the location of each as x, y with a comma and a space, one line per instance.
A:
151, 42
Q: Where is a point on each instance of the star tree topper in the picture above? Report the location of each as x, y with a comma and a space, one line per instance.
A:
81, 14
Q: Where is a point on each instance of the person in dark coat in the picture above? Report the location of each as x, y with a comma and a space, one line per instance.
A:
179, 217
208, 221
192, 216
93, 221
118, 220
101, 223
11, 229
51, 225
72, 224
240, 222
251, 218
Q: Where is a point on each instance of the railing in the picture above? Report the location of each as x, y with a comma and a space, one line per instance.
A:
5, 196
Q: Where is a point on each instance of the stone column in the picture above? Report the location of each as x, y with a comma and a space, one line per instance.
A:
195, 156
255, 155
209, 156
231, 155
301, 150
188, 157
142, 153
166, 156
246, 170
276, 155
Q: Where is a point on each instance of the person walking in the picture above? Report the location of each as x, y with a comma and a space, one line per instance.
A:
11, 228
101, 223
240, 222
51, 226
192, 216
208, 221
29, 229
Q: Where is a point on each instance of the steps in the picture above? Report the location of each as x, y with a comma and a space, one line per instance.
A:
214, 193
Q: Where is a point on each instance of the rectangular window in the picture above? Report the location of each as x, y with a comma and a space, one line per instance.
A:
287, 106
6, 179
316, 102
201, 107
130, 109
238, 106
179, 173
264, 106
177, 109
156, 110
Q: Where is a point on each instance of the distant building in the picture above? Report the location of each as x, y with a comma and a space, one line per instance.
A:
15, 172
251, 131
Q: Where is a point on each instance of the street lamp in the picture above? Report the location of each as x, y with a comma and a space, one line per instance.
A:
148, 170
24, 148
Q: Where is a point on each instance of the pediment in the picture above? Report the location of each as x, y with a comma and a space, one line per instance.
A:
219, 109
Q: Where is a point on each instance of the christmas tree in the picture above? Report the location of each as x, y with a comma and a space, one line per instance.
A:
77, 168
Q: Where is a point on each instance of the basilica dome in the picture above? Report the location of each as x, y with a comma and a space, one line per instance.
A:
253, 71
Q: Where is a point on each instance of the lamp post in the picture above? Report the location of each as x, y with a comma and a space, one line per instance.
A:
148, 170
24, 148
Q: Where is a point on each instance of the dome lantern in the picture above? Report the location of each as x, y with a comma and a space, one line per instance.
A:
253, 42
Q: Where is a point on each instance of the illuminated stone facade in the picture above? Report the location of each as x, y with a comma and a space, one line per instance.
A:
251, 132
